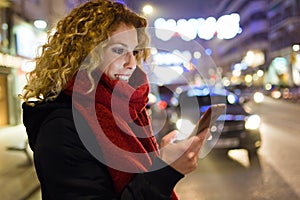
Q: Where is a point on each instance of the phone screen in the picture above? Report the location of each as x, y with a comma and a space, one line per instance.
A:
209, 117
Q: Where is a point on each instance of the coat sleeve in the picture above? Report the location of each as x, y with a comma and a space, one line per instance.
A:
156, 184
66, 170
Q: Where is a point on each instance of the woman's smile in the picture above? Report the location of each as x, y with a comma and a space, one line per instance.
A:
122, 77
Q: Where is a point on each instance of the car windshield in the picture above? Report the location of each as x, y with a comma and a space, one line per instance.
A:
211, 99
203, 98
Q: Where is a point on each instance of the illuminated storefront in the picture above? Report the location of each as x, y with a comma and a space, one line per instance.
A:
284, 71
15, 62
12, 78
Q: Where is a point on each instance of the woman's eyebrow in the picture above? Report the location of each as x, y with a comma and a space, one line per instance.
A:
119, 43
123, 44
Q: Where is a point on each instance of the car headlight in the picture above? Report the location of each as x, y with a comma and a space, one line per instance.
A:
252, 122
258, 97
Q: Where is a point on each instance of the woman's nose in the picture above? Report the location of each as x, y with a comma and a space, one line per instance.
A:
130, 61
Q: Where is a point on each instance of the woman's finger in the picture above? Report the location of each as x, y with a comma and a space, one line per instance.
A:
198, 141
169, 138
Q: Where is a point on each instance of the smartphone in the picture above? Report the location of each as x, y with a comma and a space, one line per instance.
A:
209, 117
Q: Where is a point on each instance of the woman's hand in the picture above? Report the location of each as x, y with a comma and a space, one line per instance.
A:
182, 156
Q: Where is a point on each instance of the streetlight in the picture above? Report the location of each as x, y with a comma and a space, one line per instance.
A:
147, 9
40, 24
296, 47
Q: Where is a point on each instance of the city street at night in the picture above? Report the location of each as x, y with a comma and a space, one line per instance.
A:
150, 68
275, 175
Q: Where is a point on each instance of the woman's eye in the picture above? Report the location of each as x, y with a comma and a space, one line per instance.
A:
135, 52
119, 51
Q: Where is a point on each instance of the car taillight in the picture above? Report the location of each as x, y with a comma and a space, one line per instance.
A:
162, 104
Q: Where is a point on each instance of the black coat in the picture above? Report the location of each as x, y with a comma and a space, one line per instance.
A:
67, 170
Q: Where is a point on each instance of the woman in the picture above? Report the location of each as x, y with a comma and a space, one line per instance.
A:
84, 112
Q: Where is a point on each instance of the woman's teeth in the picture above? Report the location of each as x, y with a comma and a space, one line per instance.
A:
122, 77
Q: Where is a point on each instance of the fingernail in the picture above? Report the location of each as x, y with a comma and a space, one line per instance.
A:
191, 155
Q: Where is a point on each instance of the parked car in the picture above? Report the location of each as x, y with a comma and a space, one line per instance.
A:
161, 108
235, 129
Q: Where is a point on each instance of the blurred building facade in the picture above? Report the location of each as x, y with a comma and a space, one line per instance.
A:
19, 40
284, 18
248, 51
284, 38
269, 42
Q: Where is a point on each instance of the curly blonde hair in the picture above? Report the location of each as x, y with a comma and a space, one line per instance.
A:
76, 37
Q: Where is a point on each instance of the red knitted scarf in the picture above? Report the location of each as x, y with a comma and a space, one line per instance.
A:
116, 113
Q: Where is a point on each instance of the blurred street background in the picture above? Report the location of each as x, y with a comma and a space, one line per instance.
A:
251, 49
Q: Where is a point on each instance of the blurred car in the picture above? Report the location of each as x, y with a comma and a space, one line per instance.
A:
234, 129
161, 106
244, 92
247, 93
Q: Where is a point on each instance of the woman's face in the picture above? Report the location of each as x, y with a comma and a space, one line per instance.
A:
119, 60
